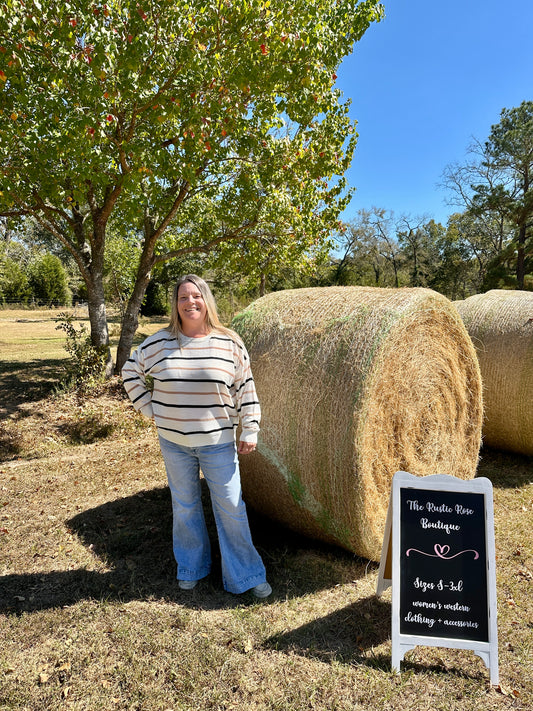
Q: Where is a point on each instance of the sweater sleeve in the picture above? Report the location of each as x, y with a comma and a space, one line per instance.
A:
134, 379
246, 397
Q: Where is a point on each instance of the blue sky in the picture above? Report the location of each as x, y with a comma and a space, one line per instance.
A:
424, 82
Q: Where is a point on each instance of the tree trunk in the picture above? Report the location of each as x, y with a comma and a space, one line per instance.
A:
94, 280
130, 323
98, 320
133, 307
377, 274
521, 258
395, 267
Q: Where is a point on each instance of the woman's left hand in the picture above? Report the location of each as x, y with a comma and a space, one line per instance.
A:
245, 447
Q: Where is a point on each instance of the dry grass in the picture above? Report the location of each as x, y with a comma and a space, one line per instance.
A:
91, 618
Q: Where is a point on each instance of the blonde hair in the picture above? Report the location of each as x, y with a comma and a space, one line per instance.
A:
212, 320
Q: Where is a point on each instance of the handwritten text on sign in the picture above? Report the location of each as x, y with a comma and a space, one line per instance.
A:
443, 591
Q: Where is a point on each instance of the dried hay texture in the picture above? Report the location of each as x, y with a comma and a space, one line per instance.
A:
355, 384
500, 324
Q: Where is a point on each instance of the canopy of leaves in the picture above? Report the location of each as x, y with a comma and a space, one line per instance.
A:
226, 110
496, 186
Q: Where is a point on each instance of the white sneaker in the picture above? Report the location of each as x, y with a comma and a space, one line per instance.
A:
187, 584
262, 590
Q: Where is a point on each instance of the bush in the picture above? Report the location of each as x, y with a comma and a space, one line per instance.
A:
49, 280
87, 367
14, 286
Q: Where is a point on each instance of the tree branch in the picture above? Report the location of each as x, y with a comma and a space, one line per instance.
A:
239, 234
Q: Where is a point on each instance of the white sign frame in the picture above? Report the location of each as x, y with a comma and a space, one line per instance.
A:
390, 572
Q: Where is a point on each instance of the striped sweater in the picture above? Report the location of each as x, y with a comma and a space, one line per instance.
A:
200, 390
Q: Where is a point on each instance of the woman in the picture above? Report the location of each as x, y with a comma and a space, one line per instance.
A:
203, 385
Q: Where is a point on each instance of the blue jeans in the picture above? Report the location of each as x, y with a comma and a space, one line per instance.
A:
242, 567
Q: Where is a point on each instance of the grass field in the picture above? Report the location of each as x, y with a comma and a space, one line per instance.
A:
90, 614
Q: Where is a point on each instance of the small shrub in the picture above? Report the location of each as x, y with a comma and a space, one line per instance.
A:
88, 427
87, 367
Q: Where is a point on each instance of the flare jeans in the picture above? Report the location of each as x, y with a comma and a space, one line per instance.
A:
242, 567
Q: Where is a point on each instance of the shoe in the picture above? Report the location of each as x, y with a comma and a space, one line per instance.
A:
262, 590
187, 584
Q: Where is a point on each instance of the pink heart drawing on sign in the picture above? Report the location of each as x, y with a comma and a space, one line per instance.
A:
441, 551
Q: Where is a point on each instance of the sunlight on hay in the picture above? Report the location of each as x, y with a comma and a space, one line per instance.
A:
500, 324
355, 384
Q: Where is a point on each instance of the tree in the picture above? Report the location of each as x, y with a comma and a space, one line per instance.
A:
14, 286
121, 258
48, 280
388, 247
370, 250
454, 271
416, 238
479, 242
350, 239
211, 121
496, 185
510, 149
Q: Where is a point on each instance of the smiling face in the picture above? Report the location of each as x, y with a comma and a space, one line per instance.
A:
192, 310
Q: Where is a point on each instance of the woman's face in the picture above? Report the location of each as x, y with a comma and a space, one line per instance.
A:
191, 306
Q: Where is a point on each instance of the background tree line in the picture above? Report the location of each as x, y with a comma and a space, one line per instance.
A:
469, 255
489, 244
458, 260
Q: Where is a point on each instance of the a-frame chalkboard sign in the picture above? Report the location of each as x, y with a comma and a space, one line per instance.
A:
438, 555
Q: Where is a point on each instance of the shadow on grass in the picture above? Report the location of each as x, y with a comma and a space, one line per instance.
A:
505, 469
87, 430
132, 537
350, 636
344, 636
26, 382
11, 444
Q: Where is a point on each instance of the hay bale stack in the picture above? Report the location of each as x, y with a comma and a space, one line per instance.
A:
500, 324
356, 383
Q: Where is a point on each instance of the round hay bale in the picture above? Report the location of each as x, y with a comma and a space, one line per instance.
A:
500, 324
355, 384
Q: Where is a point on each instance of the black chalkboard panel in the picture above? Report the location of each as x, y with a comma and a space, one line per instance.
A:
443, 565
439, 556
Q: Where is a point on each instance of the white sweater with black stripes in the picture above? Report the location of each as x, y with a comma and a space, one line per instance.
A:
202, 387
